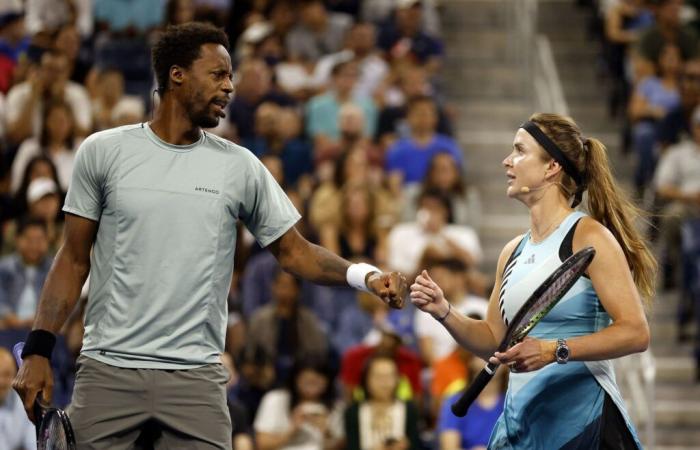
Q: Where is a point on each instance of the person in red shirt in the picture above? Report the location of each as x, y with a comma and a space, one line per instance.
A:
408, 362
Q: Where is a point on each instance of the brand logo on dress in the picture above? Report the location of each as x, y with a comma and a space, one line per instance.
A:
530, 260
207, 190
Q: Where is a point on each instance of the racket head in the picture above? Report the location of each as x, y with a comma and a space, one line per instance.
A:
547, 295
54, 430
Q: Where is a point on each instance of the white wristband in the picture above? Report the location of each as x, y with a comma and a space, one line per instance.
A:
357, 273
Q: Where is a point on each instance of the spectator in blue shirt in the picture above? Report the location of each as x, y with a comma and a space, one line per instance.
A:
322, 110
411, 156
122, 16
472, 432
22, 275
277, 132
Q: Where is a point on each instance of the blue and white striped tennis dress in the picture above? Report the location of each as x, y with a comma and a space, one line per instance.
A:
561, 405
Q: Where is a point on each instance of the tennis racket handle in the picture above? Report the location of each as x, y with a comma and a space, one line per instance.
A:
461, 406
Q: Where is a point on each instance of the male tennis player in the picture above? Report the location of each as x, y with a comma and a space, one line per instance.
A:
157, 203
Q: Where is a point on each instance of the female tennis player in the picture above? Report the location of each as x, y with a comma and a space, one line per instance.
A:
562, 392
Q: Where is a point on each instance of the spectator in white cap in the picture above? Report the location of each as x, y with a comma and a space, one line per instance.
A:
44, 202
129, 110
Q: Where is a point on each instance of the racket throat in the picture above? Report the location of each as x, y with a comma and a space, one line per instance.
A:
491, 368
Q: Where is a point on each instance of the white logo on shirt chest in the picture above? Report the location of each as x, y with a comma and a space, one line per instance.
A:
207, 190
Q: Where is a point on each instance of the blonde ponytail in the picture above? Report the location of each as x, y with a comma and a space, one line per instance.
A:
612, 208
606, 203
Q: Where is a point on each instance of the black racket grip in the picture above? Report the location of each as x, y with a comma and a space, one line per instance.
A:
461, 406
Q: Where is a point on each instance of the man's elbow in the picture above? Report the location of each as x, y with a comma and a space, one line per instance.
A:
286, 262
80, 264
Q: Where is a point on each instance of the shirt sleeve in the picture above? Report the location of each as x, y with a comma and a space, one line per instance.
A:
271, 415
320, 117
667, 174
29, 435
455, 150
27, 150
267, 211
423, 324
85, 193
371, 116
16, 98
80, 106
646, 88
393, 154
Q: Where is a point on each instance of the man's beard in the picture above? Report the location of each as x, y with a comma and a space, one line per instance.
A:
205, 121
204, 117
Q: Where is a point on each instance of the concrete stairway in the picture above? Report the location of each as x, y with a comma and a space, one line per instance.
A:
482, 81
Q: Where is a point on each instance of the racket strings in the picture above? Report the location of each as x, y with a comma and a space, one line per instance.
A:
53, 435
545, 302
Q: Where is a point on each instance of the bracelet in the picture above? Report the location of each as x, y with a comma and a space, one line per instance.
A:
357, 274
449, 309
39, 342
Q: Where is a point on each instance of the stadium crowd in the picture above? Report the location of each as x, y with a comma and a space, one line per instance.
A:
341, 101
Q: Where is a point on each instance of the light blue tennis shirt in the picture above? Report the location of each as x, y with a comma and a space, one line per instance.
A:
163, 256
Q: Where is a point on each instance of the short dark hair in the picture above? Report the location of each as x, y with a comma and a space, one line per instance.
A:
418, 100
317, 363
25, 223
341, 65
364, 374
441, 197
180, 45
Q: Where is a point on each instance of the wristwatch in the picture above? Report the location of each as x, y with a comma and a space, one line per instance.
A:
562, 351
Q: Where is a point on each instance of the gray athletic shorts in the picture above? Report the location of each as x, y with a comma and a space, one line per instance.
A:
111, 406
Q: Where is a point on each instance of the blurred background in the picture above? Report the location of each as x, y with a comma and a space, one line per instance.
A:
386, 122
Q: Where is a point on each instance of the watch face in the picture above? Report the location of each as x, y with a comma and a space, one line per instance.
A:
562, 353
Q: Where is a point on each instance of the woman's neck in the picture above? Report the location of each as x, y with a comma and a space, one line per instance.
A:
422, 137
546, 216
381, 403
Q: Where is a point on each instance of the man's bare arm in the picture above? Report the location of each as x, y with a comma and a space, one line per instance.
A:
316, 264
67, 275
58, 298
312, 262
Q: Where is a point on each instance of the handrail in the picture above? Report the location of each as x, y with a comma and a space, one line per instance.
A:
638, 372
548, 88
523, 42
